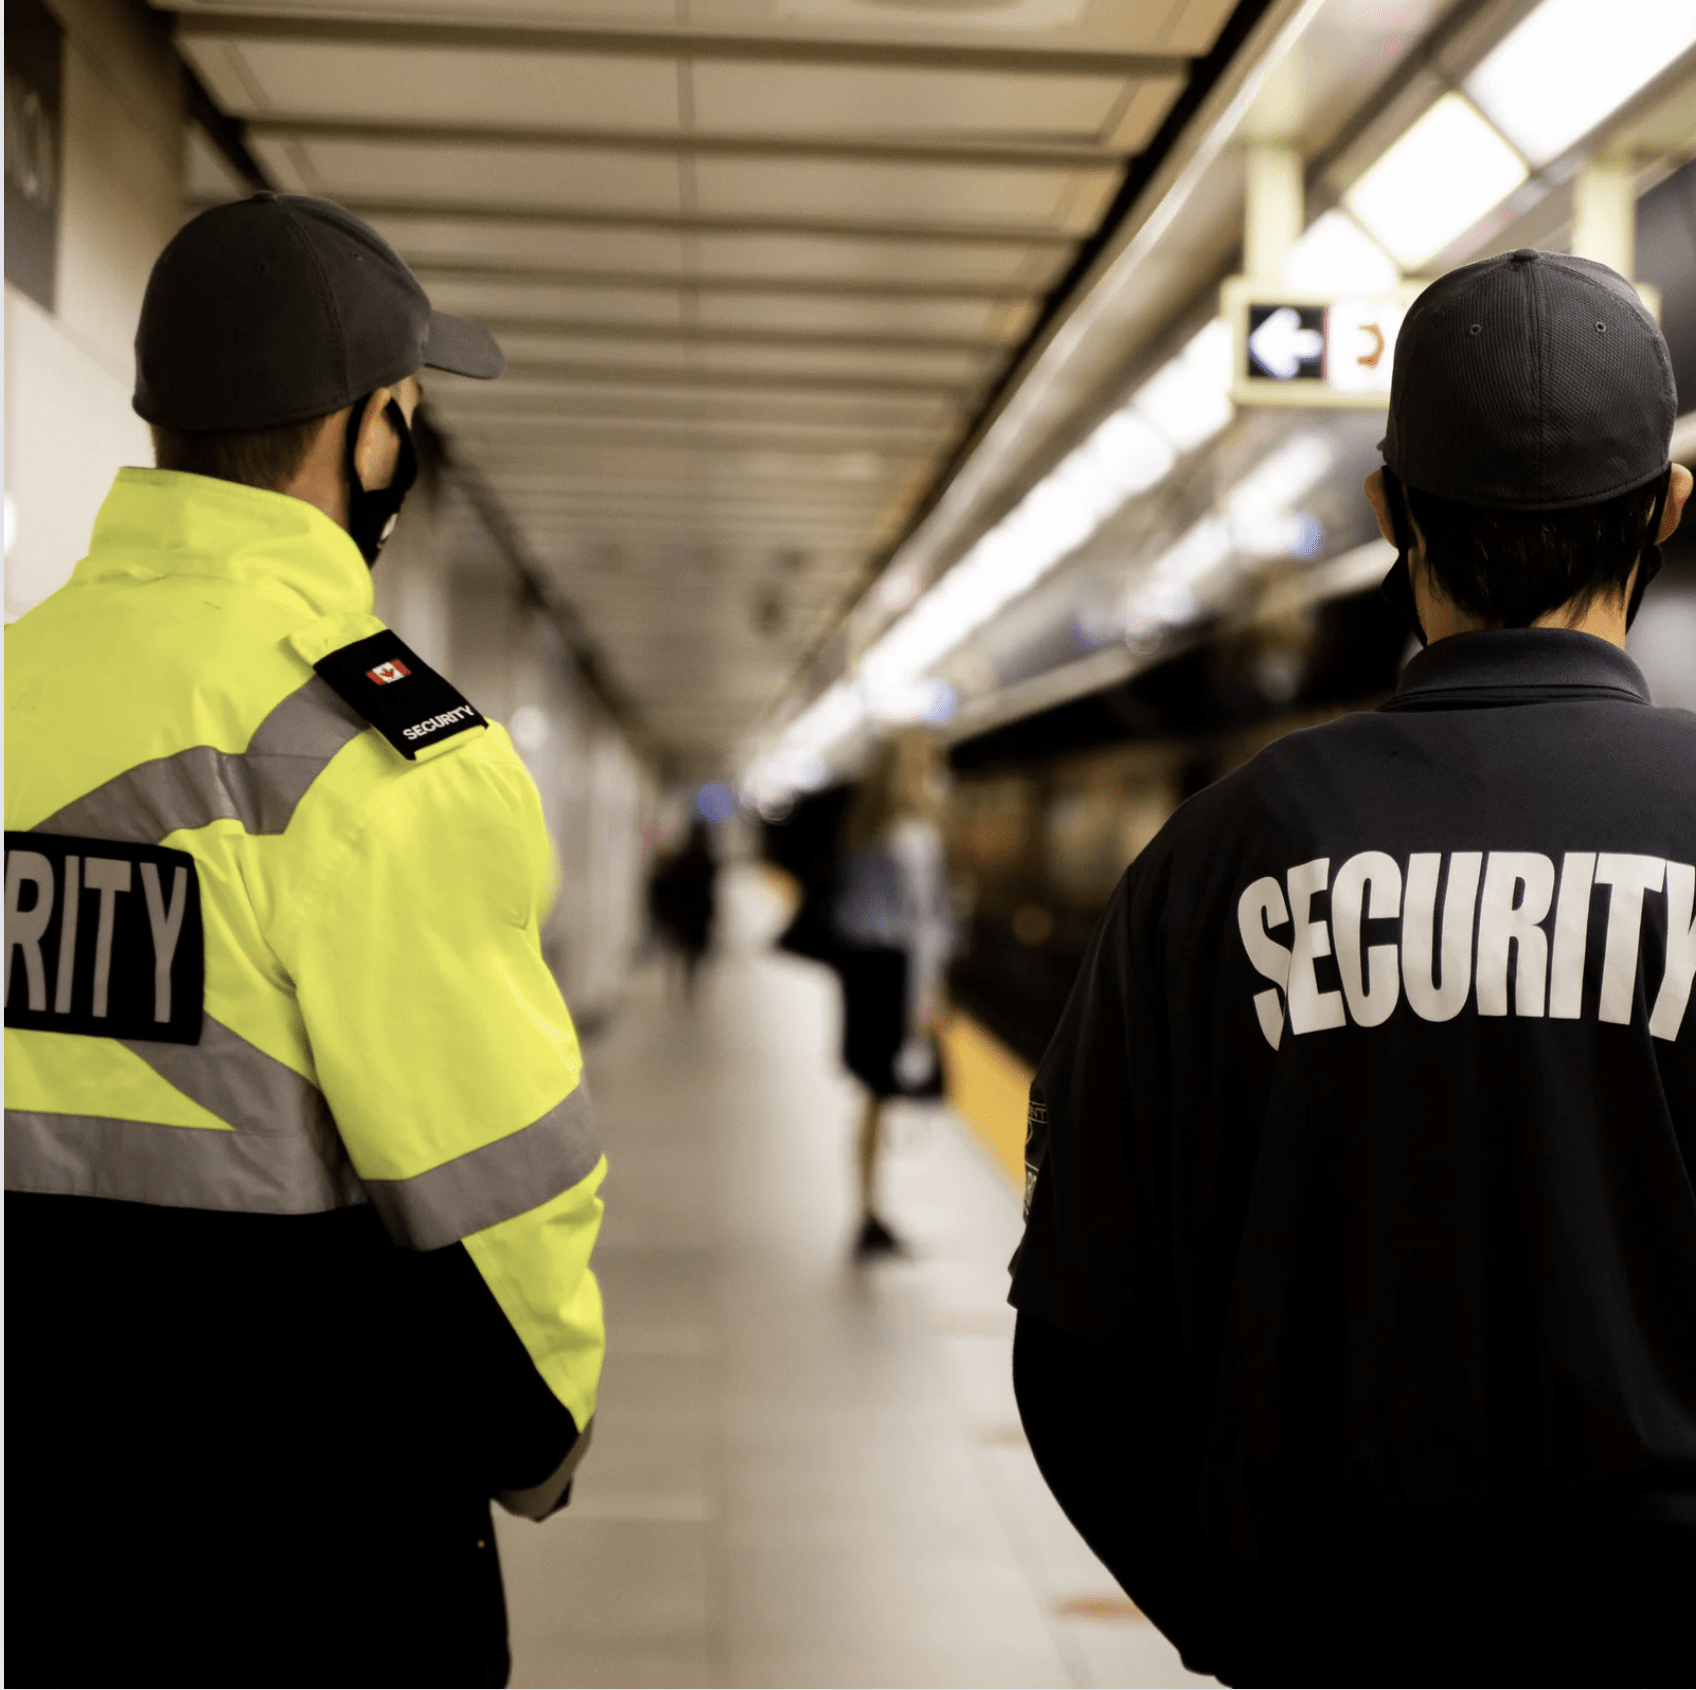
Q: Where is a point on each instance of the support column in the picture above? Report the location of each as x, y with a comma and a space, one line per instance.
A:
1273, 210
1604, 213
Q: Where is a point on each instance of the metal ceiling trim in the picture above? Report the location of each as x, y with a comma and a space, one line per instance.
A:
644, 375
568, 217
694, 334
962, 58
785, 146
826, 287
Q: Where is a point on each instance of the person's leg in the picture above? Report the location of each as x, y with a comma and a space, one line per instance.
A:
874, 1236
871, 1135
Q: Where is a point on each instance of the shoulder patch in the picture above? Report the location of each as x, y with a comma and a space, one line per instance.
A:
398, 693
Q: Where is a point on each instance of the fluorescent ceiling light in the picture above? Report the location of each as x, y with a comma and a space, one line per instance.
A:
1188, 399
1435, 182
1184, 403
1573, 62
1337, 256
1258, 521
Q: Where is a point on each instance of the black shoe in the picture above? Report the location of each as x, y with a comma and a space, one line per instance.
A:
877, 1240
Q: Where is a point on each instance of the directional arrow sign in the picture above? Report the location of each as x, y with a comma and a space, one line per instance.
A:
1286, 343
1295, 348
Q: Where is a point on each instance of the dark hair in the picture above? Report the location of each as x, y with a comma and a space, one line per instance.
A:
257, 457
1510, 567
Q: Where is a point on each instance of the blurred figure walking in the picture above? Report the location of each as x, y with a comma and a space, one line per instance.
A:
892, 917
682, 901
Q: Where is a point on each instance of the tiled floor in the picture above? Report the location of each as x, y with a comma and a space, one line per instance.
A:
804, 1472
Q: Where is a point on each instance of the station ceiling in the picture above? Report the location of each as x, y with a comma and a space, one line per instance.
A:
756, 265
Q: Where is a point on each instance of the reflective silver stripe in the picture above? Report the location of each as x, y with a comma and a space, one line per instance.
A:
174, 1167
284, 1156
259, 787
484, 1187
242, 1085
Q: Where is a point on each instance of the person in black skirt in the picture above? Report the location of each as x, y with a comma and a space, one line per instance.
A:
892, 919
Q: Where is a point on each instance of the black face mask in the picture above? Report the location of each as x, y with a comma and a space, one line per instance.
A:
371, 511
1396, 589
1649, 559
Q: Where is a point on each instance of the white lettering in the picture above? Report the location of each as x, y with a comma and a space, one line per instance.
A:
25, 927
166, 922
65, 979
1372, 994
1419, 915
1630, 876
1260, 907
429, 725
1529, 878
1674, 995
109, 877
1572, 932
1311, 1010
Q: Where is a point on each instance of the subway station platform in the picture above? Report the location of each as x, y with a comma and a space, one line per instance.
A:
806, 1471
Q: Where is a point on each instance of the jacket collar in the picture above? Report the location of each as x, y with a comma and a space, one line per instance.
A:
1517, 666
158, 523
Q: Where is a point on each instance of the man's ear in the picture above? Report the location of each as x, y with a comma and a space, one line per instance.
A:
1378, 498
1678, 490
376, 451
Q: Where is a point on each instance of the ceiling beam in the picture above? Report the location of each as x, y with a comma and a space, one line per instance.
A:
961, 58
691, 334
687, 223
784, 147
881, 287
775, 381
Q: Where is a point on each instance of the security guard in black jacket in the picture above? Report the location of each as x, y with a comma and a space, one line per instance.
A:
1357, 1298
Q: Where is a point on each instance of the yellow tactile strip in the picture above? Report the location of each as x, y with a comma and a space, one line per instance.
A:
989, 1088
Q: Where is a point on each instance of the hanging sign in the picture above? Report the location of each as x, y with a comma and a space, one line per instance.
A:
1294, 348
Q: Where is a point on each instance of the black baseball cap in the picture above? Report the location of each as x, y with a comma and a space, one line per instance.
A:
1530, 381
282, 307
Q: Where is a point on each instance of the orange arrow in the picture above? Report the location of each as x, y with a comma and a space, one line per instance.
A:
1370, 359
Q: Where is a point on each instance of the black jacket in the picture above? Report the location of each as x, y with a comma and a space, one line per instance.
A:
1367, 1138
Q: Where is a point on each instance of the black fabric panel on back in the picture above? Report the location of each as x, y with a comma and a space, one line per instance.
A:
110, 942
398, 693
215, 1419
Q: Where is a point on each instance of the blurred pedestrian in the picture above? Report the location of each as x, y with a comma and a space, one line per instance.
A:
682, 900
1358, 1290
892, 918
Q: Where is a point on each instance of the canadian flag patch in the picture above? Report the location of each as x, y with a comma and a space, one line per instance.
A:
384, 673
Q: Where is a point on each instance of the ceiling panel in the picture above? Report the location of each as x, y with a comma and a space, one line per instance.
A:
754, 263
859, 100
1007, 262
955, 369
1011, 264
497, 298
512, 175
984, 319
408, 85
421, 240
1067, 199
603, 14
1131, 25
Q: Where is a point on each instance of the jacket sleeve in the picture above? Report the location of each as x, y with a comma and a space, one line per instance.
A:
443, 1048
1093, 1260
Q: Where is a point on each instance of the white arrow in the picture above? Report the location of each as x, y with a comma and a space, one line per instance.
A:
1281, 345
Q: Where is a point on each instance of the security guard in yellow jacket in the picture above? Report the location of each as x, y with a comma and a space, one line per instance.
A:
300, 1168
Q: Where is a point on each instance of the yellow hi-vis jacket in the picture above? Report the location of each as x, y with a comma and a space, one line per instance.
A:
378, 1023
